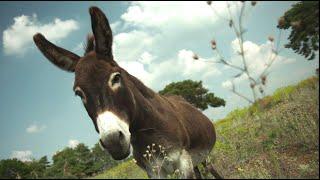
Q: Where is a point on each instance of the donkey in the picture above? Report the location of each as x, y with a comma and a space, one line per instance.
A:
129, 116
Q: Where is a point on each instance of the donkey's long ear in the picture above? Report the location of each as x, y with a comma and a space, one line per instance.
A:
102, 33
60, 57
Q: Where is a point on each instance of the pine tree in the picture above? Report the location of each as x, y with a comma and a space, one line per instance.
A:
303, 19
194, 93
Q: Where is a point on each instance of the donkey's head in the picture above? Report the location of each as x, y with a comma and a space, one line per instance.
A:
102, 85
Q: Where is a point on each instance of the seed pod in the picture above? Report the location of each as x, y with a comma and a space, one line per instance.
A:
230, 23
213, 44
261, 89
263, 80
281, 22
195, 56
271, 38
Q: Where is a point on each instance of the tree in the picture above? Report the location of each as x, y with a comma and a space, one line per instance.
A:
78, 162
194, 93
62, 161
13, 169
303, 19
72, 163
84, 160
38, 168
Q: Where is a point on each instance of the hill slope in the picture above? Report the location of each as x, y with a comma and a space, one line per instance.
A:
275, 138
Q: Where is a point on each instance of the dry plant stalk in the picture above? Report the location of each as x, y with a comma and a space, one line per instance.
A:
155, 157
261, 80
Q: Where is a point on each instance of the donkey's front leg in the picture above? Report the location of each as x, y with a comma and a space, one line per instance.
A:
186, 165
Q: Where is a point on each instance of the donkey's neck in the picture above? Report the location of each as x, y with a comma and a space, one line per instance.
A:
146, 101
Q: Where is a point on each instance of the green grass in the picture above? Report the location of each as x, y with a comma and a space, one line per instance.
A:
126, 170
277, 137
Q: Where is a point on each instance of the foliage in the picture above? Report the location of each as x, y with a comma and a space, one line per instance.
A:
303, 19
78, 162
13, 169
38, 168
194, 93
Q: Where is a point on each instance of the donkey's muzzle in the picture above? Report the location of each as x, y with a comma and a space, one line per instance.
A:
116, 144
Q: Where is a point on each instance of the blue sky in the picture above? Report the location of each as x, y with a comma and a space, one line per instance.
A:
154, 41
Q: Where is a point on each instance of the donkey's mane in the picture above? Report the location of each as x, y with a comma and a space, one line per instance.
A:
89, 45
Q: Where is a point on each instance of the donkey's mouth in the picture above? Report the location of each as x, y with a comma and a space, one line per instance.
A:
117, 152
101, 143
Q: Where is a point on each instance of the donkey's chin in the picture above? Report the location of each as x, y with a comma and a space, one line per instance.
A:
117, 152
118, 156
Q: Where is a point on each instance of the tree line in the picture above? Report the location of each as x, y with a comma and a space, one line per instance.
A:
78, 162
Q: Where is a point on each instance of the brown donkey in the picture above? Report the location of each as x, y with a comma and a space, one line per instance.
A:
128, 115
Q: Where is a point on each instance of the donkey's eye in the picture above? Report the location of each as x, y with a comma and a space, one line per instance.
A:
78, 92
114, 81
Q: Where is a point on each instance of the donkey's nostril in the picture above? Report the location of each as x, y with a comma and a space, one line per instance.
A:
121, 135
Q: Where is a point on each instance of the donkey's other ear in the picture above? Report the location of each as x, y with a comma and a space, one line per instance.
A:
60, 57
102, 33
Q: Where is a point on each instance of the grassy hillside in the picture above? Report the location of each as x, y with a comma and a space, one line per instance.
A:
274, 138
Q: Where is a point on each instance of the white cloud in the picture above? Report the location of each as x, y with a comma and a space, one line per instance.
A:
227, 84
73, 143
161, 14
257, 57
130, 46
180, 67
115, 26
153, 44
146, 58
191, 67
18, 37
34, 128
136, 69
22, 155
161, 28
155, 37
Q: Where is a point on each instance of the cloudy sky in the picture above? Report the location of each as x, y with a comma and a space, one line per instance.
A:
154, 41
